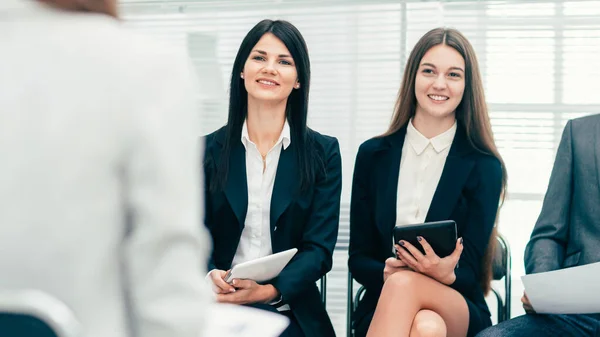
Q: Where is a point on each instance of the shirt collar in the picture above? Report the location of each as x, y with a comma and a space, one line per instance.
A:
284, 137
419, 142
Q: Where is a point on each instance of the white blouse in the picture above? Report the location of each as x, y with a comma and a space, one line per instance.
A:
421, 167
255, 241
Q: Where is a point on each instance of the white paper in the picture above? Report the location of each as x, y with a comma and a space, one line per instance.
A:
227, 320
573, 290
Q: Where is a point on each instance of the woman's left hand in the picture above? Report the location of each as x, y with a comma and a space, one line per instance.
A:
440, 269
248, 292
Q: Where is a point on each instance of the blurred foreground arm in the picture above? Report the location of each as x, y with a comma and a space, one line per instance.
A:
166, 247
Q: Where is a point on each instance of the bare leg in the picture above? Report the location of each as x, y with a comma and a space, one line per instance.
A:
427, 323
405, 293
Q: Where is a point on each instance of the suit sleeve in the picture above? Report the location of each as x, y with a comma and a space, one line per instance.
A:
165, 250
483, 208
546, 248
315, 256
365, 268
207, 164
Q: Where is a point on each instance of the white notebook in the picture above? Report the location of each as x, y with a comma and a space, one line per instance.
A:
262, 269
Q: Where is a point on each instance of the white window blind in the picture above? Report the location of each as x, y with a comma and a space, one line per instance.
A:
538, 58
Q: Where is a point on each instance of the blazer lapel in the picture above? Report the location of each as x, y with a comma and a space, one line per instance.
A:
388, 174
236, 190
286, 184
454, 176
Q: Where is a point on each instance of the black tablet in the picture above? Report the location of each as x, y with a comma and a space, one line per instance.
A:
441, 235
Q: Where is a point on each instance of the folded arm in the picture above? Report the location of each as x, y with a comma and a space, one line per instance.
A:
164, 248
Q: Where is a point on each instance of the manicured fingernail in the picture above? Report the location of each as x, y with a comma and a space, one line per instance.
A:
234, 282
419, 238
461, 240
232, 290
401, 243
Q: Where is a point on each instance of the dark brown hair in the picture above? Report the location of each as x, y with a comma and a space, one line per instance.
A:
471, 113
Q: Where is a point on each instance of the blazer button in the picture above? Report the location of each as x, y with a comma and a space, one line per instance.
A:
275, 229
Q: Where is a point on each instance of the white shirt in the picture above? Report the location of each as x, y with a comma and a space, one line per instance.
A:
255, 241
421, 167
87, 136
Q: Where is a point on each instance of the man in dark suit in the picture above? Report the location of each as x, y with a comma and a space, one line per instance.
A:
567, 231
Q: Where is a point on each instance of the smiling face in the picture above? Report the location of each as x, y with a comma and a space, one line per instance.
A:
269, 72
440, 83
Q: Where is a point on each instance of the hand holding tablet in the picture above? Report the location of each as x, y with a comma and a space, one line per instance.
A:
261, 269
441, 236
430, 249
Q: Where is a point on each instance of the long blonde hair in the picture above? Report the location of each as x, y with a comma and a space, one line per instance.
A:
471, 113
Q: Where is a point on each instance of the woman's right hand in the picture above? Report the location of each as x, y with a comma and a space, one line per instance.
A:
393, 265
219, 285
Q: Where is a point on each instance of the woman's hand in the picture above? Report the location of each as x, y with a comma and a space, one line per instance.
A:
440, 269
248, 292
393, 265
219, 285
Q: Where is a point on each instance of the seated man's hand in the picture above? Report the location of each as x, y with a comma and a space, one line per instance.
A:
248, 292
526, 305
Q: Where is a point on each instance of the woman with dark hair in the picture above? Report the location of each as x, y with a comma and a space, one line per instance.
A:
437, 161
272, 183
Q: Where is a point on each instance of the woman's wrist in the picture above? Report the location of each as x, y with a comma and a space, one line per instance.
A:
271, 294
448, 280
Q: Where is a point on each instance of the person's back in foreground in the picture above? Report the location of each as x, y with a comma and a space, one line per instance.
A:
98, 182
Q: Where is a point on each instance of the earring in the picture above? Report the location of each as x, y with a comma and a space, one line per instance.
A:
297, 86
242, 75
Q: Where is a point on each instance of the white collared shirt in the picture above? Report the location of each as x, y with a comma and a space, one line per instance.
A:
255, 241
421, 167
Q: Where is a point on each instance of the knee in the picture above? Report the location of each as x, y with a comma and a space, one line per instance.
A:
401, 280
428, 324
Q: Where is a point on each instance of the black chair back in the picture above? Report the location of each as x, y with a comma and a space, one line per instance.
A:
32, 313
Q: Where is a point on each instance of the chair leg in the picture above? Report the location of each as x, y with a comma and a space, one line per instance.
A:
500, 306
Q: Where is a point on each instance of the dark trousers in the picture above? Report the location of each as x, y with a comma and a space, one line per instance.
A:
293, 330
547, 326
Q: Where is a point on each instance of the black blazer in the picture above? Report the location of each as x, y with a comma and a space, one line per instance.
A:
308, 221
468, 192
